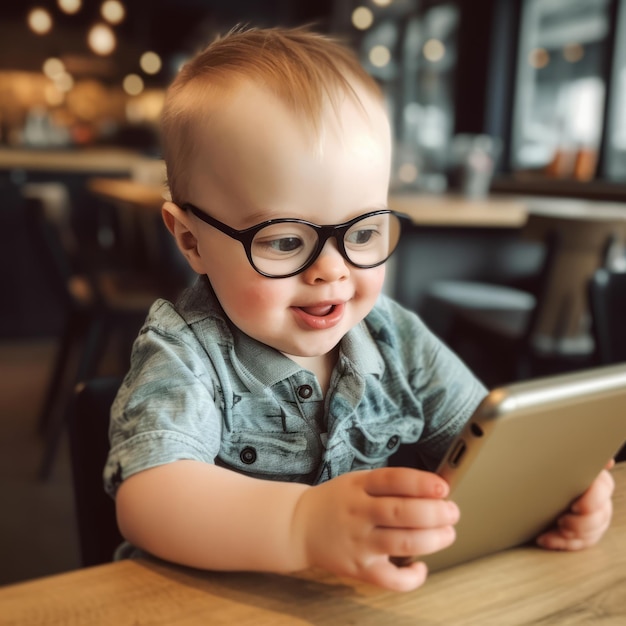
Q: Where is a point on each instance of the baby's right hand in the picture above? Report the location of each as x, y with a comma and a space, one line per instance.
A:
352, 524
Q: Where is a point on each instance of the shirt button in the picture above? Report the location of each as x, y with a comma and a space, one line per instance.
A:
306, 391
392, 442
248, 455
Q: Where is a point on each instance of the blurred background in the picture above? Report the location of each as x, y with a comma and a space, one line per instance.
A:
487, 97
545, 79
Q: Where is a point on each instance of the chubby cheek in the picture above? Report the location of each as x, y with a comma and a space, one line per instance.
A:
369, 284
251, 302
243, 293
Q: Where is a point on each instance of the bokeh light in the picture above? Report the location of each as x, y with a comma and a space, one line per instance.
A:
39, 21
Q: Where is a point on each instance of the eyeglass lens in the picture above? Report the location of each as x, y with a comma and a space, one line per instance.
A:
286, 247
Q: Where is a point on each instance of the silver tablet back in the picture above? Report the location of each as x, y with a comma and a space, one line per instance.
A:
528, 451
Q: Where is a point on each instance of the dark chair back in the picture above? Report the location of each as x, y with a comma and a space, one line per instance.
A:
89, 445
607, 303
102, 299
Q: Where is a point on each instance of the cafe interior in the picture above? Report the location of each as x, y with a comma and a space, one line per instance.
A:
509, 125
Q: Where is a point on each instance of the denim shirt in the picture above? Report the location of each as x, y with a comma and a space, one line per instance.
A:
198, 388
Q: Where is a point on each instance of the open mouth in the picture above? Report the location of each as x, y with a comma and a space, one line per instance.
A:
320, 316
319, 311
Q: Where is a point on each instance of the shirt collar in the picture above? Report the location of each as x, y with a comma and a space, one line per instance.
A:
266, 365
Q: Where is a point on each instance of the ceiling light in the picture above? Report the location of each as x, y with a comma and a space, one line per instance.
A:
379, 56
69, 6
52, 67
434, 50
362, 18
39, 21
113, 11
101, 39
133, 84
150, 62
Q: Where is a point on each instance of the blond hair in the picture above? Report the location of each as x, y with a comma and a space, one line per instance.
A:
302, 68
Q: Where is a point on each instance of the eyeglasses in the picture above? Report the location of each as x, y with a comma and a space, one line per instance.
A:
281, 248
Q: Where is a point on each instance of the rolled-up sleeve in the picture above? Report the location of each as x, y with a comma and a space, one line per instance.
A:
166, 408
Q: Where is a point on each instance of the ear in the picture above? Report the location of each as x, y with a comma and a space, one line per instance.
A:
179, 223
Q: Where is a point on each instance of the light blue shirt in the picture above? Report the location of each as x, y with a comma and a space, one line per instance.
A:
198, 388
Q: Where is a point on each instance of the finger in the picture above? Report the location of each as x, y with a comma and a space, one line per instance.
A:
554, 540
405, 481
413, 512
575, 532
571, 525
599, 492
385, 574
402, 542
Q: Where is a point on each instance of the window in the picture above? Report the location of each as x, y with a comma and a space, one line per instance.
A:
410, 47
560, 87
615, 143
429, 61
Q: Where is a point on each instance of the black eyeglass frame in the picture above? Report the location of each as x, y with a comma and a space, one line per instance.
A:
324, 233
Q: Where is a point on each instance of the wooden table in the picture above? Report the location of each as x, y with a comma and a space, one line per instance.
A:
443, 210
499, 211
447, 210
522, 586
425, 210
148, 196
144, 199
84, 160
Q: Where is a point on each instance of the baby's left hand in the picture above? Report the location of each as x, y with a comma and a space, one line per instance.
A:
587, 520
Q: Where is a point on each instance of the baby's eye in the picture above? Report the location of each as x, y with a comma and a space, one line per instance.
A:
276, 245
361, 237
285, 244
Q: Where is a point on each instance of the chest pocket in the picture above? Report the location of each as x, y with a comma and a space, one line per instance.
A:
375, 435
372, 445
270, 455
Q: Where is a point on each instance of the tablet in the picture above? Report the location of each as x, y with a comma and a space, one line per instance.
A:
527, 452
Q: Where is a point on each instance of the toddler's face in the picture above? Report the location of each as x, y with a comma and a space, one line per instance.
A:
262, 163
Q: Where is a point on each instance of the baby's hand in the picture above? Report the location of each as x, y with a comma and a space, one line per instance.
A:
352, 524
587, 520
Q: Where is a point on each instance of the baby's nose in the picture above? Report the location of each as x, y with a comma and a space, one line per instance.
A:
329, 266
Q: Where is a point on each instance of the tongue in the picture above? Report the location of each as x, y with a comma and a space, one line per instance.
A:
318, 311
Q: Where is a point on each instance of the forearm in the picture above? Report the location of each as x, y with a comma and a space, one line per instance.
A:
212, 518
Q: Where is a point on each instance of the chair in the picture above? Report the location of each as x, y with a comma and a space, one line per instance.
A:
607, 303
104, 299
89, 444
507, 334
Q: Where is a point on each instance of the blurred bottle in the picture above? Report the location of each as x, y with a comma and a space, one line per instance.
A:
585, 163
472, 163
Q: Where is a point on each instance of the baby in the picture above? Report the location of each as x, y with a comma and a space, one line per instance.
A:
257, 426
